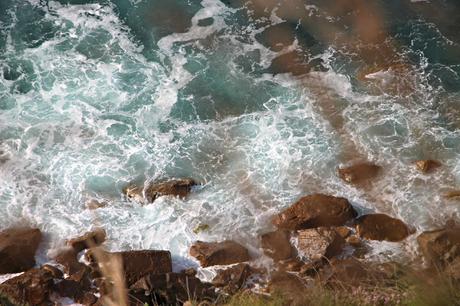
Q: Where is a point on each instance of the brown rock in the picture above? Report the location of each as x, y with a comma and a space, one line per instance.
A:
169, 288
290, 265
232, 279
67, 257
30, 288
68, 288
219, 253
427, 165
318, 243
354, 240
343, 231
17, 249
359, 173
440, 247
179, 188
88, 240
137, 264
382, 227
95, 204
54, 271
277, 245
86, 298
452, 195
314, 211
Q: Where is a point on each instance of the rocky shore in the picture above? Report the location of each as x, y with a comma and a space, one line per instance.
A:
316, 246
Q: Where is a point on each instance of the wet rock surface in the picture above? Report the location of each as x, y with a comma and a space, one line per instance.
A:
277, 245
382, 227
17, 249
90, 239
219, 253
359, 173
314, 211
232, 279
179, 188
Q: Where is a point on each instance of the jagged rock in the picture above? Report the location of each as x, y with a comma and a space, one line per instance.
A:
314, 211
440, 247
359, 173
318, 243
136, 264
176, 187
382, 227
427, 165
277, 245
343, 231
17, 249
169, 288
88, 240
30, 288
232, 279
179, 188
219, 253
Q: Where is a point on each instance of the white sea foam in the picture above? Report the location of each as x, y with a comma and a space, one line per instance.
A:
93, 122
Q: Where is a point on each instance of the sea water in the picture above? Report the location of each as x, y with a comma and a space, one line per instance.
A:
97, 94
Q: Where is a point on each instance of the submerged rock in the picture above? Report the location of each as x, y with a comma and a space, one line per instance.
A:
95, 204
277, 245
232, 279
17, 249
359, 173
318, 243
219, 253
382, 227
179, 188
30, 288
88, 240
314, 211
440, 247
176, 187
427, 165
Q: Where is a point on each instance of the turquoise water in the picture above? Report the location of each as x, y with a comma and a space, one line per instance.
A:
98, 94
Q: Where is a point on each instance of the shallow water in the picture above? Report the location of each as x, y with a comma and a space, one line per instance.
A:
97, 94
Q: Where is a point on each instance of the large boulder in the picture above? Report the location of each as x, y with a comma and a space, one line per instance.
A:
277, 245
171, 289
17, 249
135, 264
440, 247
179, 188
319, 243
30, 288
88, 240
382, 227
232, 279
359, 173
219, 253
176, 187
314, 211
